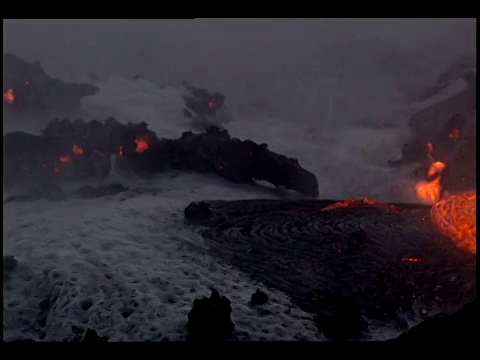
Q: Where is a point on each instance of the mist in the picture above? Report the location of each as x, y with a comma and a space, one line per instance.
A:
291, 67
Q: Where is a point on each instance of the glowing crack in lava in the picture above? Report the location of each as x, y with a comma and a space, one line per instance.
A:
9, 96
454, 216
355, 202
142, 145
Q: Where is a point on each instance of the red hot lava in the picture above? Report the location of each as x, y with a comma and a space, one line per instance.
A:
66, 159
355, 202
454, 216
77, 150
142, 144
9, 96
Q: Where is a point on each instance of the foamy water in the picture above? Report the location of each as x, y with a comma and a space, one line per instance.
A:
126, 265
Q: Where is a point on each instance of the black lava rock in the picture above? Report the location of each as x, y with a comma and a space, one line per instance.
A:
344, 323
198, 211
259, 297
92, 336
9, 264
457, 326
210, 319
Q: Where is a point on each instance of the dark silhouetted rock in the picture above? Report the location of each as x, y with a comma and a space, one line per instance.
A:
92, 336
210, 319
198, 211
458, 326
9, 264
344, 323
259, 297
31, 90
78, 150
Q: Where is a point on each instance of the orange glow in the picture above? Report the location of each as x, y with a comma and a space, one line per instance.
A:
121, 152
66, 159
9, 96
429, 192
355, 202
436, 168
456, 217
142, 145
77, 150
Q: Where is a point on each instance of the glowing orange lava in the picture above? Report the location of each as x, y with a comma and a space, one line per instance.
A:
355, 202
454, 216
77, 150
429, 192
66, 159
9, 96
142, 145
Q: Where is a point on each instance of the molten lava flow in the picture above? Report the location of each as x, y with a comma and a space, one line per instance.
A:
9, 96
436, 168
455, 134
429, 192
456, 217
66, 159
355, 202
411, 259
142, 145
77, 150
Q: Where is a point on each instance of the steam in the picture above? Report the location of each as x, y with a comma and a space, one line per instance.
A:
332, 92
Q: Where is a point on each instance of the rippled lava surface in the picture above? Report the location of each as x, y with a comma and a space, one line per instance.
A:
378, 261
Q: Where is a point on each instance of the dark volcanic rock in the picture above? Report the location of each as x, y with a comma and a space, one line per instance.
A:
344, 323
31, 90
210, 319
449, 127
78, 150
259, 297
92, 336
345, 264
460, 325
198, 211
9, 264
